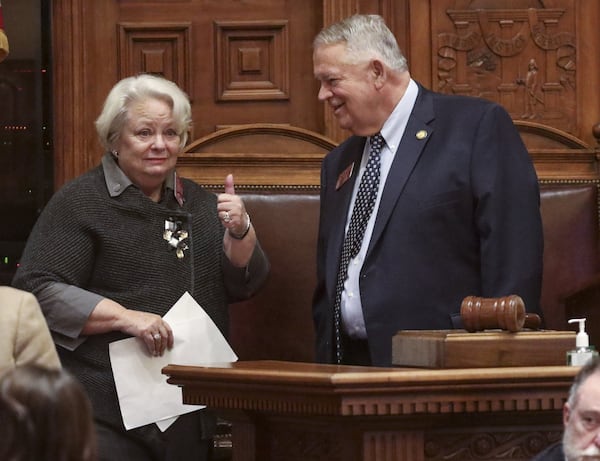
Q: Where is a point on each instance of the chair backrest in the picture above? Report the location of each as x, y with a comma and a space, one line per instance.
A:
570, 222
276, 324
277, 169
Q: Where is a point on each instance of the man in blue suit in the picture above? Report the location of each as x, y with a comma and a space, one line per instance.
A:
456, 210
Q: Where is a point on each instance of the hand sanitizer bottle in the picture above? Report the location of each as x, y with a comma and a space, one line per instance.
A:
583, 351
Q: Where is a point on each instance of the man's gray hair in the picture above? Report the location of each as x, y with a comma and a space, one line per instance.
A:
590, 368
366, 37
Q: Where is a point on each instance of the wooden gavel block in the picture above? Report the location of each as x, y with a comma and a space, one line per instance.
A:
505, 313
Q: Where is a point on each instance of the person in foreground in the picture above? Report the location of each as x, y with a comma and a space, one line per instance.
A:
45, 415
115, 248
24, 335
449, 208
581, 420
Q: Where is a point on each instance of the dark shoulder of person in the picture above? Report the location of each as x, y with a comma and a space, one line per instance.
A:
552, 453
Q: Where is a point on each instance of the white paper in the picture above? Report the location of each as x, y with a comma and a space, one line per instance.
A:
145, 397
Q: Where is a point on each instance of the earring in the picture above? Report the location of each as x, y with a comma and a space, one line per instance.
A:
114, 153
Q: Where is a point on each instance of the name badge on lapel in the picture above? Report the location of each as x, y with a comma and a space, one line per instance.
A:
344, 176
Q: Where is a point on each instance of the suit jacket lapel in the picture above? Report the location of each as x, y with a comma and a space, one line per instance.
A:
417, 133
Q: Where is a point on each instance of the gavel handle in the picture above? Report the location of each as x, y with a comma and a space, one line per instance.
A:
532, 321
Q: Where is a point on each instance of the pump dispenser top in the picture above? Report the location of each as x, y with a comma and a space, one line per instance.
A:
583, 352
582, 339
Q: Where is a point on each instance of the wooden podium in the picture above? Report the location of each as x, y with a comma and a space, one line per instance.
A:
288, 411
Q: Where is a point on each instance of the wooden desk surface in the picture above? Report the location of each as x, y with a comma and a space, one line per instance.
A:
306, 388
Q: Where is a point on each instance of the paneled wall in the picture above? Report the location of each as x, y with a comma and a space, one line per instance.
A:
250, 62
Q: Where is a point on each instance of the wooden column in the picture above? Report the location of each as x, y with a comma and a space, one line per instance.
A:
333, 11
69, 88
80, 80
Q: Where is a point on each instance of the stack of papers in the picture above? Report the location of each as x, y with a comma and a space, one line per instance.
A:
145, 397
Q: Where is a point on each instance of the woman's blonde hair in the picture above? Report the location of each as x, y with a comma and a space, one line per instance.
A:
130, 90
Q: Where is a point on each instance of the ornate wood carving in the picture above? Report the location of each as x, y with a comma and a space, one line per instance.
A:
523, 58
375, 414
251, 60
156, 48
487, 443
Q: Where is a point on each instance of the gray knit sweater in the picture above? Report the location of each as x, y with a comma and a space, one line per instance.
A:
114, 247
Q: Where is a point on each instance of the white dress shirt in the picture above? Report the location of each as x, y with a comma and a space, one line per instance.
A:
352, 315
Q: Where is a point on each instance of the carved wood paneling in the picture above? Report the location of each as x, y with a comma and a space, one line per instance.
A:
396, 446
557, 155
258, 155
96, 43
306, 442
91, 53
348, 391
157, 48
468, 414
487, 443
523, 57
251, 60
69, 89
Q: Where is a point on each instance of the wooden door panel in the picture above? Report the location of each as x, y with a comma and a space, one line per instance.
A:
240, 62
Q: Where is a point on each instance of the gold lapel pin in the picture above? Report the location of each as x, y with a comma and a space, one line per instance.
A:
421, 134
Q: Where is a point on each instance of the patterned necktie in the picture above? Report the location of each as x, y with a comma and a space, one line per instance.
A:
363, 207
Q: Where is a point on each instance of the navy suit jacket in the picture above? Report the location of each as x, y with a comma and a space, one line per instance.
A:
459, 216
552, 453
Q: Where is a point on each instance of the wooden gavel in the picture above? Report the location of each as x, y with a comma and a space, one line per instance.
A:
506, 313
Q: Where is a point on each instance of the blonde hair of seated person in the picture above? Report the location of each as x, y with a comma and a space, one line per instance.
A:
45, 415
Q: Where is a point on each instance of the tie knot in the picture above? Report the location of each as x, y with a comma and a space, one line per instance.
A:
376, 142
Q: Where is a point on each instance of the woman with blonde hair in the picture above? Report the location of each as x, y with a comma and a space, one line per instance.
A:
115, 248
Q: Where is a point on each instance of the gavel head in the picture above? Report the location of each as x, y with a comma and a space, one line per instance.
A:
506, 313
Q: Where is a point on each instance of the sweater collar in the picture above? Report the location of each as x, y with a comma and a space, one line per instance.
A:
117, 181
